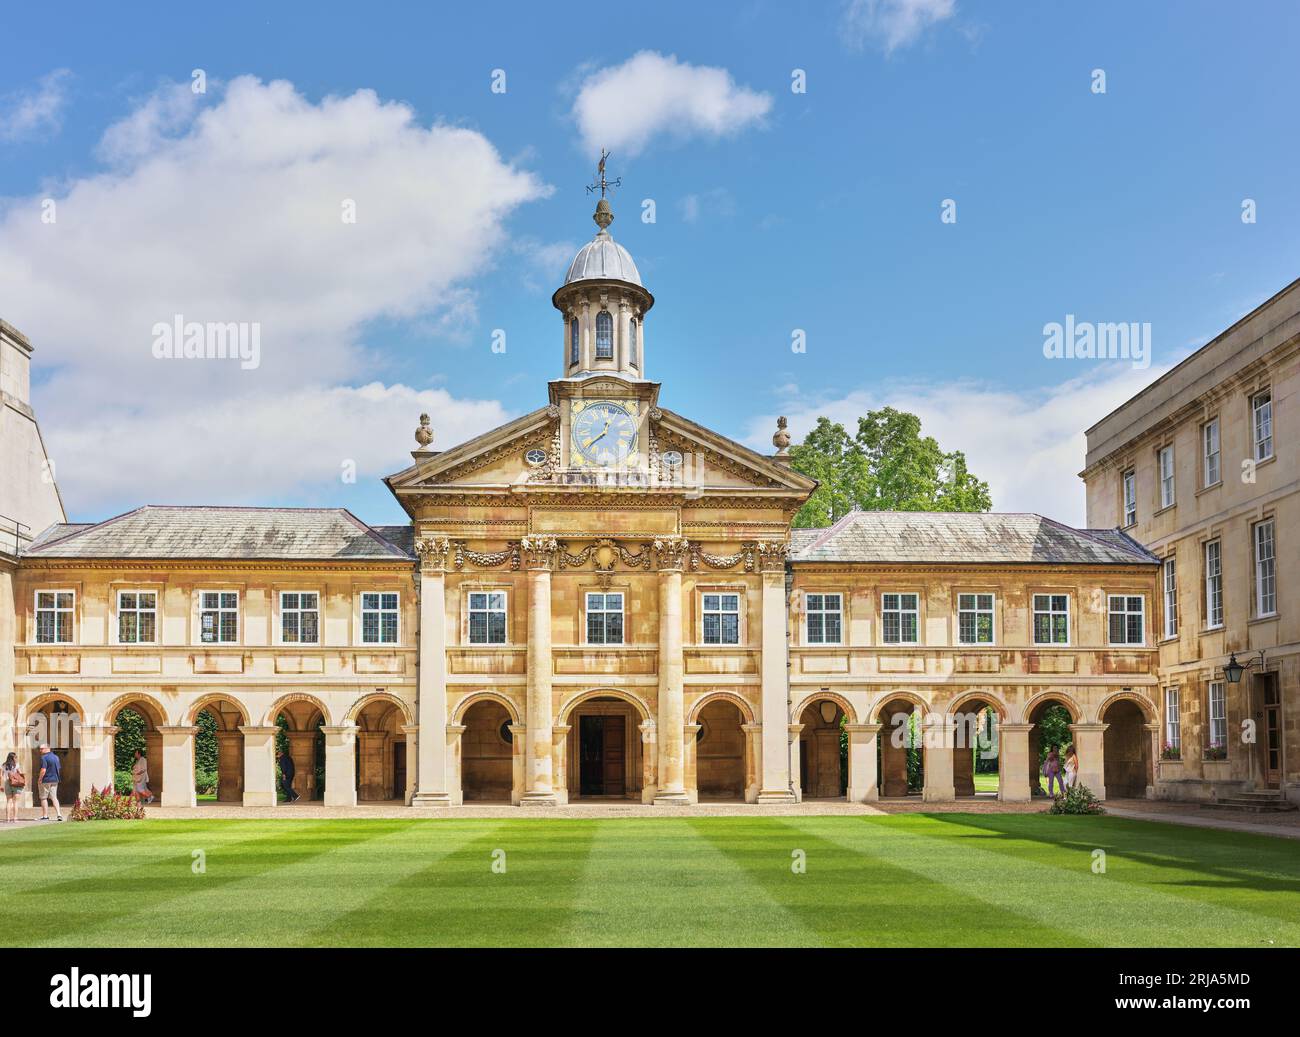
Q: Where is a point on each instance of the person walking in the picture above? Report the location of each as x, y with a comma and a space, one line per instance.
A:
48, 783
1071, 767
1052, 771
140, 777
14, 782
286, 777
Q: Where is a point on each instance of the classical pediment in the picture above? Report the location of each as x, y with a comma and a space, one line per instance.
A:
525, 460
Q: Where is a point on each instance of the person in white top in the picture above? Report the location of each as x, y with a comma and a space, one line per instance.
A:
140, 777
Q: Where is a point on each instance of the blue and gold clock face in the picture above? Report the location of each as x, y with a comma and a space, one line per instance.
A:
603, 433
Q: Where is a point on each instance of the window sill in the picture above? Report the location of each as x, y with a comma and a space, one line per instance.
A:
1218, 629
1162, 510
1211, 486
1168, 639
1271, 617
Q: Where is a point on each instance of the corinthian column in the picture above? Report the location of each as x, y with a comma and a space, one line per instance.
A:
671, 557
431, 741
776, 787
539, 790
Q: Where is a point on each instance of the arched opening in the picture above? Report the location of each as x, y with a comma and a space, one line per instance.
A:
603, 753
381, 759
300, 738
54, 723
138, 722
823, 751
1051, 718
487, 753
219, 752
720, 751
901, 758
975, 750
1126, 750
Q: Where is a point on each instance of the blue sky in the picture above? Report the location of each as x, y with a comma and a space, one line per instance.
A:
775, 211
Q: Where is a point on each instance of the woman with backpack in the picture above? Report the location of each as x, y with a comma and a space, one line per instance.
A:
14, 782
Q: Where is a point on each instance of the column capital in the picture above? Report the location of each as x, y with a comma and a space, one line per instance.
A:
433, 553
406, 729
454, 731
795, 729
692, 730
771, 555
249, 729
177, 730
670, 553
1015, 729
869, 729
1098, 728
540, 553
341, 729
751, 729
647, 729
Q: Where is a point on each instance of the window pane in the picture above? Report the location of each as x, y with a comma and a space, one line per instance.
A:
289, 627
909, 627
126, 600
390, 601
814, 601
712, 629
478, 601
65, 599
477, 628
370, 601
614, 628
211, 600
45, 600
1116, 628
595, 601
370, 627
126, 627
731, 629
146, 627
815, 628
289, 600
832, 628
711, 601
228, 626
308, 631
731, 601
497, 600
229, 600
497, 628
389, 628
595, 628
1061, 629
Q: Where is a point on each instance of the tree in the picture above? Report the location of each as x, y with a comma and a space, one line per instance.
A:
887, 466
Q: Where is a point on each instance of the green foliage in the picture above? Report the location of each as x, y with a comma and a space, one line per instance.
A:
887, 466
205, 782
205, 742
915, 753
122, 782
1077, 799
107, 805
130, 737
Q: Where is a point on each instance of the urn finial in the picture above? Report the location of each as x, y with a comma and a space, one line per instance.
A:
424, 434
781, 438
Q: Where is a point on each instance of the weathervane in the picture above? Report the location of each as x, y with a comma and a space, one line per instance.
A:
602, 184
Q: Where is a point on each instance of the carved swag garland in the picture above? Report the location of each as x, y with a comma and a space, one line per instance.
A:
536, 552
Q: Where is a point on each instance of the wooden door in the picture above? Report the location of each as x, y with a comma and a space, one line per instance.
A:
399, 770
1271, 740
613, 756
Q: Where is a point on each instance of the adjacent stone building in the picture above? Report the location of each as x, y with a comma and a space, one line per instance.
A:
605, 599
1203, 467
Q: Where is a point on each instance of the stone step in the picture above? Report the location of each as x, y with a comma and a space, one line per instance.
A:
1255, 804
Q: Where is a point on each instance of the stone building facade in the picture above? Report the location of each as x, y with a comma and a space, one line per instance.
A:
1203, 467
600, 599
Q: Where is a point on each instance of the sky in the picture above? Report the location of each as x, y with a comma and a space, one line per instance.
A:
837, 205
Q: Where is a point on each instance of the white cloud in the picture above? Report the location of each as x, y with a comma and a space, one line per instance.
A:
1029, 445
891, 24
30, 113
623, 107
229, 209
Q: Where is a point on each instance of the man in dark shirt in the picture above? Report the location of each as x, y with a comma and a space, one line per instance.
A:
286, 777
48, 784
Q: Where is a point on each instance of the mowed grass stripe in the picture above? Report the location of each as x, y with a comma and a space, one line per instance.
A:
317, 875
1245, 872
653, 883
459, 900
850, 899
162, 900
1052, 882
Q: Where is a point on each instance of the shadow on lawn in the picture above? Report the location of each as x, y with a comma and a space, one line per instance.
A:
1200, 851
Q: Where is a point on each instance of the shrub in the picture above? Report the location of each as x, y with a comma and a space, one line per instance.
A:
122, 783
1171, 752
205, 782
1077, 799
107, 805
1216, 751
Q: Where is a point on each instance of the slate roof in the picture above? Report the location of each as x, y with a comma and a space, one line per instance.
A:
963, 538
155, 531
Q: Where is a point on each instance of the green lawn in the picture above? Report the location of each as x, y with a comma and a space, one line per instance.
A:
901, 880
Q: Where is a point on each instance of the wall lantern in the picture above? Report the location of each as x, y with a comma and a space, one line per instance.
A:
1233, 669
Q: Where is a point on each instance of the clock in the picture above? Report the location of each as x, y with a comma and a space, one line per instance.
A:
602, 433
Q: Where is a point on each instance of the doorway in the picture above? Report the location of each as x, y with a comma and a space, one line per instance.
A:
1271, 734
602, 755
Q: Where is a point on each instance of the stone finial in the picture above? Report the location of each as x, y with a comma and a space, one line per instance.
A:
424, 434
603, 215
781, 438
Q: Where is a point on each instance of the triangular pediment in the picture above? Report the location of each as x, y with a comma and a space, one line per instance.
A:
681, 458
